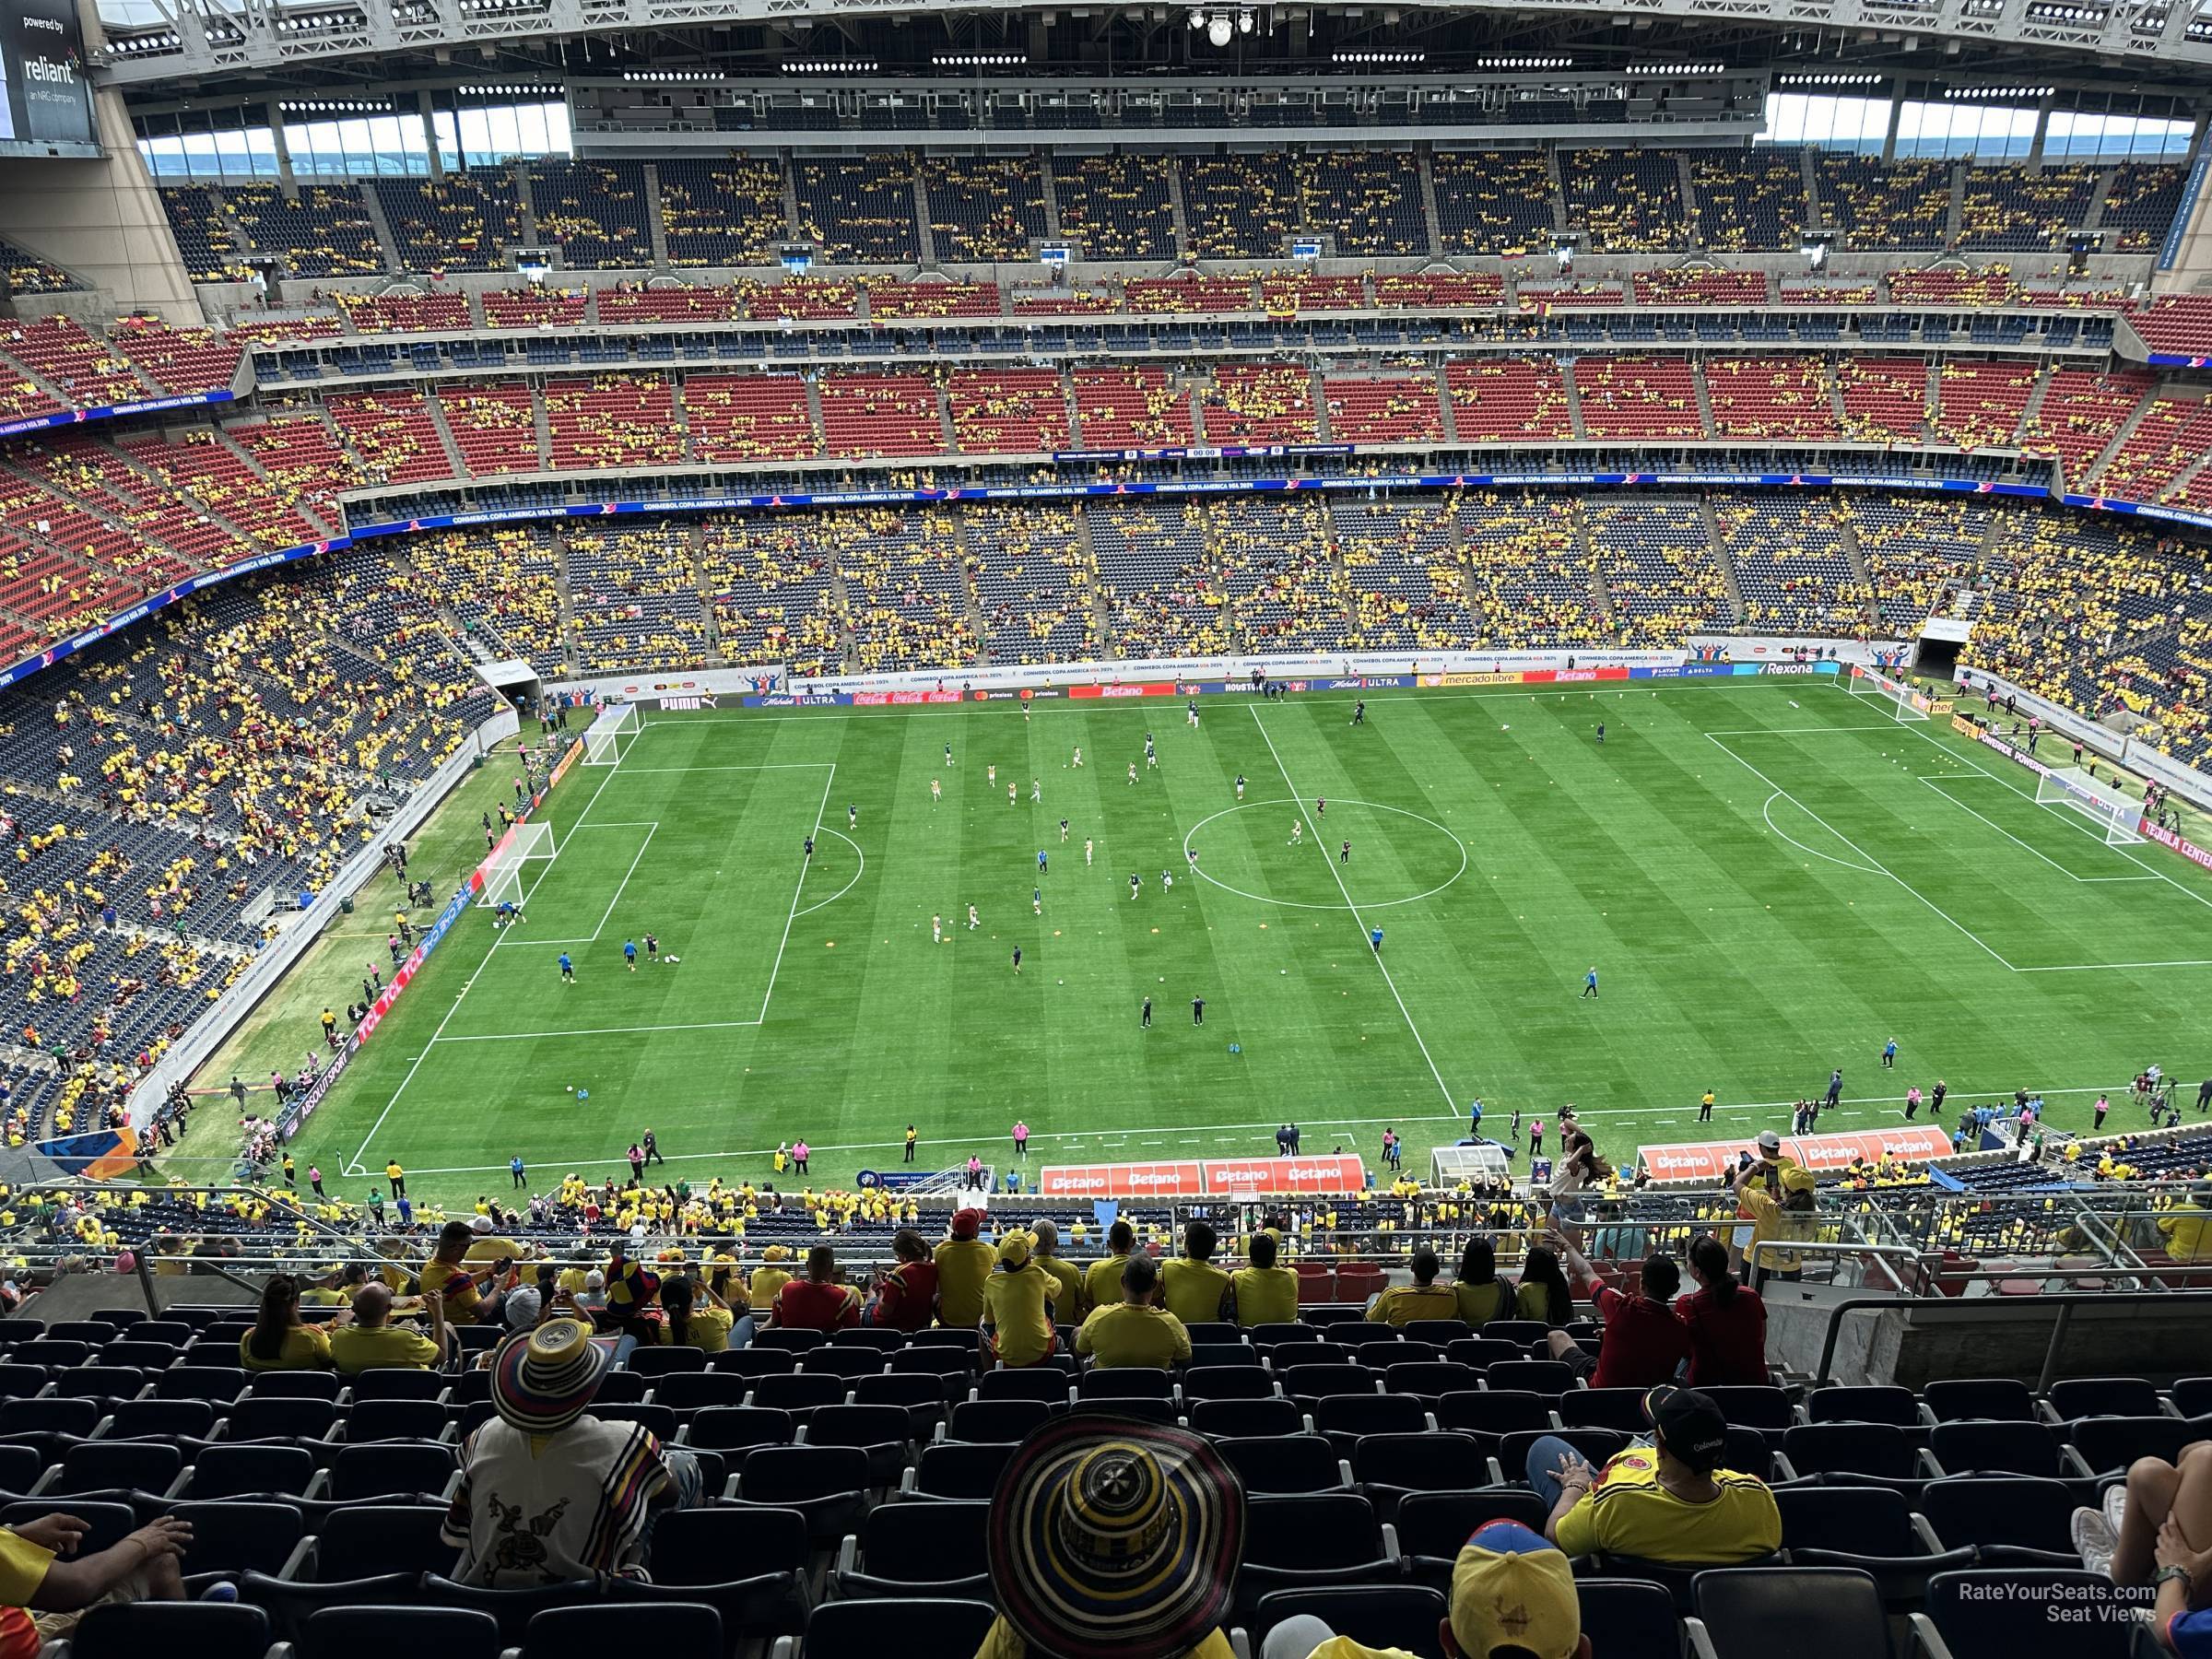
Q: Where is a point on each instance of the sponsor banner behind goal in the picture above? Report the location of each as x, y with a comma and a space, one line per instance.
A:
1711, 1160
1195, 1178
1164, 1180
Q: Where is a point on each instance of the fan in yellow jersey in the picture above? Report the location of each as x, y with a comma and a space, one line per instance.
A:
1670, 1501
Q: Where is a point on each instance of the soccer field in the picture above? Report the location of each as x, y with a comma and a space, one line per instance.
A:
1771, 878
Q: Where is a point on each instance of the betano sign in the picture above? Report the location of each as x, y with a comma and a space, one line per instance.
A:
1196, 1178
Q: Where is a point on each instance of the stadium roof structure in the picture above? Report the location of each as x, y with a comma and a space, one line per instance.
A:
161, 42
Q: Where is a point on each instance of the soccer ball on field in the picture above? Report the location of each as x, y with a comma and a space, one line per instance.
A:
1168, 881
672, 960
572, 1088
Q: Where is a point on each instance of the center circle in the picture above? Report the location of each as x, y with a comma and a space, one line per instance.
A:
1328, 850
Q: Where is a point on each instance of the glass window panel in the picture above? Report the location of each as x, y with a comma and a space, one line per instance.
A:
449, 139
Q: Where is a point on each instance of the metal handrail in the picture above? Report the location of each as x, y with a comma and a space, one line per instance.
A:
2061, 1302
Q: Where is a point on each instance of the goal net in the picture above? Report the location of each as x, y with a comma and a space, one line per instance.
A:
610, 736
2113, 814
1901, 701
503, 870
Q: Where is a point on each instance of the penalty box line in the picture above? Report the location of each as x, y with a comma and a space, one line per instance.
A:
1873, 863
798, 891
358, 1166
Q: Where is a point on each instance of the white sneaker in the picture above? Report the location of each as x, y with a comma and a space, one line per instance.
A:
2114, 1506
2094, 1541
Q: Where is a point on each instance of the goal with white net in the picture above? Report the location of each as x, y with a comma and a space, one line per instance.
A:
1902, 701
2072, 790
610, 736
503, 870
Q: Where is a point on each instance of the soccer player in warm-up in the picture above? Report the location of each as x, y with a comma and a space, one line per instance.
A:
1132, 771
936, 792
1041, 865
974, 921
1087, 851
1197, 1010
1359, 713
1017, 959
1078, 759
853, 815
1298, 832
1240, 786
1135, 887
1590, 982
652, 948
630, 955
1601, 733
568, 970
1145, 1015
936, 928
809, 849
1321, 806
1036, 901
1063, 832
1345, 854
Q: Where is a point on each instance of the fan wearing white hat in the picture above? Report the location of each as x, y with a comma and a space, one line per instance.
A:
548, 1492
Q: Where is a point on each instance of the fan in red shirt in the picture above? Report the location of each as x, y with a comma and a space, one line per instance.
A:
1645, 1344
1727, 1323
907, 1298
818, 1302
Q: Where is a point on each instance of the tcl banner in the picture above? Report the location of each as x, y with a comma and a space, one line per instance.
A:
1219, 1177
1122, 1181
1711, 1160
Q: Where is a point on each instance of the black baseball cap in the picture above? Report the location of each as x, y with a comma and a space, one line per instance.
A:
1690, 1425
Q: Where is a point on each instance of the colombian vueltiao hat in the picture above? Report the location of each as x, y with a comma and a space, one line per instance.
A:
1114, 1538
542, 1383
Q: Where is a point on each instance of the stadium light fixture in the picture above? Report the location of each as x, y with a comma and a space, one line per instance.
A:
1220, 28
1244, 22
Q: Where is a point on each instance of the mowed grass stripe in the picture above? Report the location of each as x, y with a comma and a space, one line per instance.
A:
1650, 857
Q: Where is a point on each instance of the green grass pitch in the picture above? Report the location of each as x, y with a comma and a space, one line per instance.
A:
1771, 878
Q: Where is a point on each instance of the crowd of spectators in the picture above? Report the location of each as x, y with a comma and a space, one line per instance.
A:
870, 209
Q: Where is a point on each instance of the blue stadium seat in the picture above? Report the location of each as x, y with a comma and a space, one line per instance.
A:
1830, 1612
957, 1469
914, 1629
2006, 1520
1285, 1463
1407, 1617
1310, 1541
903, 1548
188, 1629
370, 1632
750, 1564
2007, 1613
1227, 1418
1868, 1528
